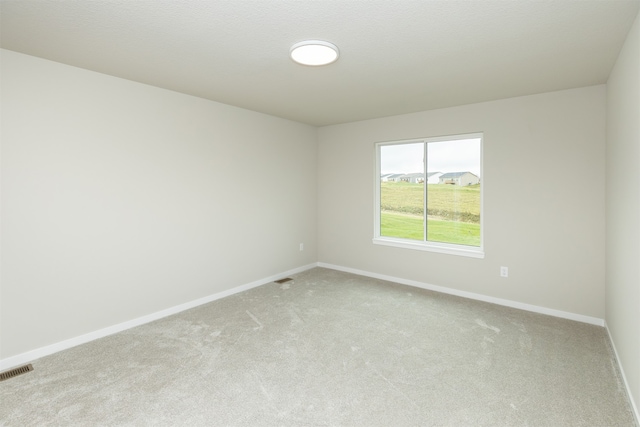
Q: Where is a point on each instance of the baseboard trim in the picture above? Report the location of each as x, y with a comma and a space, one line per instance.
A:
29, 356
634, 407
471, 295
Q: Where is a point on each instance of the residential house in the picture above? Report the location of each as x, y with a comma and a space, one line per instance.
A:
393, 177
413, 178
459, 178
433, 177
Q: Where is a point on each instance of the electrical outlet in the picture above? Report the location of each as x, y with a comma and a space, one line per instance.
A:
504, 271
301, 247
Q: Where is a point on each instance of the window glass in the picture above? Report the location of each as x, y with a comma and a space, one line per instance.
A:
402, 193
430, 191
453, 202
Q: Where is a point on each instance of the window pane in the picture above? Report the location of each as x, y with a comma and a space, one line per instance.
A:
402, 191
453, 192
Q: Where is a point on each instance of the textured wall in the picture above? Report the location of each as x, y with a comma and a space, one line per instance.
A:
120, 200
544, 201
623, 209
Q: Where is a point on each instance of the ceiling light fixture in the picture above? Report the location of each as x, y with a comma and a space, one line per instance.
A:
314, 52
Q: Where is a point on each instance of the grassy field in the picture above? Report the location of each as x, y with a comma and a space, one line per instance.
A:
453, 213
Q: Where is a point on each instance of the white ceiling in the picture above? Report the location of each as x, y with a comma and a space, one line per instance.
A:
396, 56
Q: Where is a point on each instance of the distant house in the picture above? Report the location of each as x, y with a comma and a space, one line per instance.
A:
391, 177
413, 178
459, 178
433, 177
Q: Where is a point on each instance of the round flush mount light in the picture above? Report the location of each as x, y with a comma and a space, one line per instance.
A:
314, 52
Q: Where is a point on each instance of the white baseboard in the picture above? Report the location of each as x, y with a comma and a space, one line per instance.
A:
29, 356
471, 295
624, 378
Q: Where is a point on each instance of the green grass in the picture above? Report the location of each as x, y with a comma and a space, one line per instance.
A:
453, 212
460, 233
444, 201
411, 227
403, 226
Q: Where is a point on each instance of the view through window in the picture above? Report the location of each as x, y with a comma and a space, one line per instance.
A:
430, 190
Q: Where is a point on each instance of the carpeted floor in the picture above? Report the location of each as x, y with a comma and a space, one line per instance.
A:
331, 349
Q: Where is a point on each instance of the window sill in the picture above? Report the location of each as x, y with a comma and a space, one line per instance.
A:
443, 248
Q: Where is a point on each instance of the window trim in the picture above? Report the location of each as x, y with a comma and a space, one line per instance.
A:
425, 245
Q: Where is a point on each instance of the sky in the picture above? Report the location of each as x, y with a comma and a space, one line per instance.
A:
446, 156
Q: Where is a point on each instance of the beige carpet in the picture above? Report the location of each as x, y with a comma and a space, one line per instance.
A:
331, 349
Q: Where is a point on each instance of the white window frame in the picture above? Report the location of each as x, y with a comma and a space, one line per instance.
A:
425, 245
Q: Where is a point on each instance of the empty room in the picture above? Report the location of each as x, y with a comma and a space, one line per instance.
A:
320, 213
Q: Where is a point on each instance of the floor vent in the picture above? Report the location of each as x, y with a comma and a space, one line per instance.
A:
15, 372
285, 280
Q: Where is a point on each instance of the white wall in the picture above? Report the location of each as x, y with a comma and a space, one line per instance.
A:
623, 209
544, 201
121, 199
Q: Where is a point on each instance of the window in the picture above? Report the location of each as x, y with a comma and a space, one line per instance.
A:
429, 194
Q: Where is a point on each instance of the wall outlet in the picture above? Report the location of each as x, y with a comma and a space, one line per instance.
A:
504, 271
301, 247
